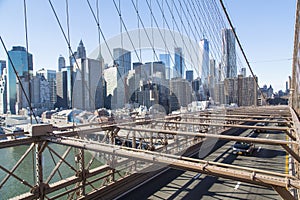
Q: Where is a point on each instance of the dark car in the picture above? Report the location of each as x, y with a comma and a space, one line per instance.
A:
281, 122
260, 130
243, 148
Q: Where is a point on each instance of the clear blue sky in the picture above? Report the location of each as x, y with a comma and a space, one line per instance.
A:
265, 28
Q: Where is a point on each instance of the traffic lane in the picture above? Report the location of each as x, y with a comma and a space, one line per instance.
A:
266, 157
183, 185
263, 158
209, 187
176, 183
161, 186
228, 189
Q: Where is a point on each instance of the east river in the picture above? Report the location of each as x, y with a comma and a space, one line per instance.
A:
26, 171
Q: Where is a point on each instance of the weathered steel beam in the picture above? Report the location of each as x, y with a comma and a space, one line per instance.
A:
242, 175
274, 128
294, 154
57, 165
75, 179
284, 193
260, 116
16, 142
69, 165
16, 177
207, 135
234, 119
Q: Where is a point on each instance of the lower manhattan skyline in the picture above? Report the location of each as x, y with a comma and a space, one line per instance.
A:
275, 57
150, 99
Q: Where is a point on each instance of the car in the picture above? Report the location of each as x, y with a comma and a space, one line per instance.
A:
281, 122
243, 148
260, 130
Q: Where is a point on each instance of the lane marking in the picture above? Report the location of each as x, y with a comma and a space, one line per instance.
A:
197, 176
267, 135
286, 159
259, 148
251, 133
237, 185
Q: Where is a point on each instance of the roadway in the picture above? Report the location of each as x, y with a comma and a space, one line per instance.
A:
176, 184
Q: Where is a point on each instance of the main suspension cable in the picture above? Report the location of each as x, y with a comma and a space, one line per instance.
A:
241, 48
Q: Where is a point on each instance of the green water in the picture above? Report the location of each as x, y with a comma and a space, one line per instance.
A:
10, 156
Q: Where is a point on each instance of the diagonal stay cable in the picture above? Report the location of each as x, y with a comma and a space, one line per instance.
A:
102, 34
178, 28
143, 25
168, 26
70, 49
212, 35
241, 48
159, 30
18, 77
27, 54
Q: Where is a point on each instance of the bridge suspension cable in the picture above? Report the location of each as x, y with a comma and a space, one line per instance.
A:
241, 48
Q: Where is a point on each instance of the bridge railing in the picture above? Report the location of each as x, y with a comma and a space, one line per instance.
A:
295, 85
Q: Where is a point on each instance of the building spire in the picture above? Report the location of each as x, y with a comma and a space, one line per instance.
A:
81, 53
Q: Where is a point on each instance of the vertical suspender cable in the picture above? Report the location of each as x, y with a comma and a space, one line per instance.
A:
139, 30
68, 26
151, 20
29, 71
240, 46
69, 46
70, 56
18, 77
98, 26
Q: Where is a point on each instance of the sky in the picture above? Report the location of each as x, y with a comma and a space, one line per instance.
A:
265, 29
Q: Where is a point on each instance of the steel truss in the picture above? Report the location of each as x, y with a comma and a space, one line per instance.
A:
153, 142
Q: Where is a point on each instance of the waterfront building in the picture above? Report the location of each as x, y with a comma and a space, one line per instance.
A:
21, 60
50, 76
3, 92
2, 66
61, 89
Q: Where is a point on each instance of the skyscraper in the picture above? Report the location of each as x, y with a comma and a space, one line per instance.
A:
61, 89
189, 75
61, 63
212, 78
24, 66
2, 66
3, 92
81, 53
88, 88
212, 68
50, 76
40, 93
183, 93
243, 71
136, 65
165, 58
204, 60
229, 53
122, 59
179, 63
